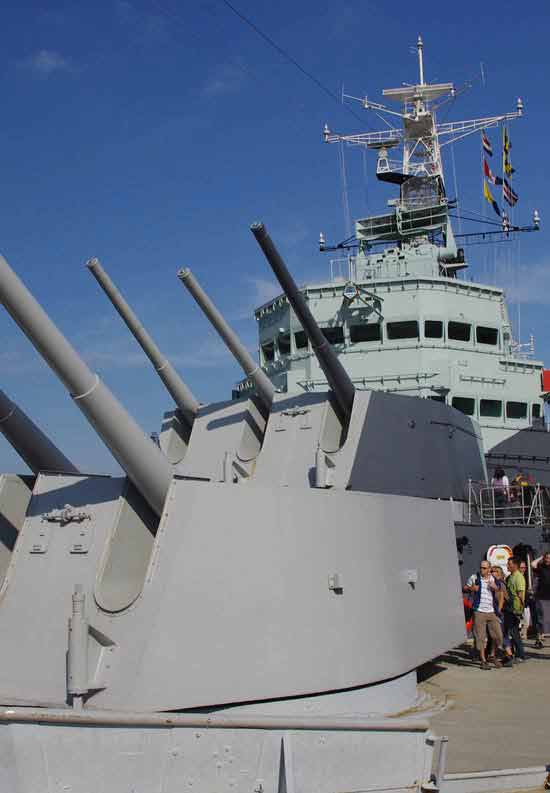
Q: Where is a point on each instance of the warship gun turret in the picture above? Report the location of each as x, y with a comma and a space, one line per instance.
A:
234, 581
246, 609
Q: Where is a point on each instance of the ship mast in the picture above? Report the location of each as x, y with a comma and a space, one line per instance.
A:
422, 207
419, 102
419, 46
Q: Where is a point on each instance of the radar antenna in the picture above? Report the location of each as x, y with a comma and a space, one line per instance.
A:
409, 155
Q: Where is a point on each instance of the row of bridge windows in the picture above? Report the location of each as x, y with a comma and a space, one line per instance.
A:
394, 331
493, 408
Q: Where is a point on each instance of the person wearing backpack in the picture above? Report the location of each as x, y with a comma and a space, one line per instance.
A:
484, 590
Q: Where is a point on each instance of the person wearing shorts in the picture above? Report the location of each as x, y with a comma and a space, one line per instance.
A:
484, 590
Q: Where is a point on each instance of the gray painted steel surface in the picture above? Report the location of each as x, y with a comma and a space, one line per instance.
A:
336, 375
28, 440
227, 429
15, 494
142, 460
219, 606
250, 367
289, 628
175, 386
476, 539
143, 759
433, 451
528, 450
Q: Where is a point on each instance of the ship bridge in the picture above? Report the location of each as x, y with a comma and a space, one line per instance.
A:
398, 324
396, 307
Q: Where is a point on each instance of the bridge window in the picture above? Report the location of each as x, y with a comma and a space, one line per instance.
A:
433, 329
535, 410
459, 331
300, 339
334, 335
486, 335
371, 331
402, 330
516, 410
491, 408
283, 343
466, 405
268, 350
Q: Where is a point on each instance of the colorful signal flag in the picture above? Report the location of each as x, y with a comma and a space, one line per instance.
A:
509, 196
485, 142
489, 198
496, 180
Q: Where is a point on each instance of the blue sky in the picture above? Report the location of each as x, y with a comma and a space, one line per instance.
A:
151, 134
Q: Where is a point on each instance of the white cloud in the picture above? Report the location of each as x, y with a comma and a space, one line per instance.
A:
207, 354
44, 63
107, 345
264, 290
528, 284
227, 78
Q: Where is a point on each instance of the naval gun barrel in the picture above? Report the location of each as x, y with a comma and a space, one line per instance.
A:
337, 377
175, 386
263, 384
144, 463
28, 440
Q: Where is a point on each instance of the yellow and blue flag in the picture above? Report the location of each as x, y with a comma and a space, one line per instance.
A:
489, 198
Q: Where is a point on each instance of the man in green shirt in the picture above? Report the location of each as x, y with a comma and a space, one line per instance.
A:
513, 609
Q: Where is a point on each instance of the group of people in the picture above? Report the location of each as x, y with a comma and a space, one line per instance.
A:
500, 602
512, 500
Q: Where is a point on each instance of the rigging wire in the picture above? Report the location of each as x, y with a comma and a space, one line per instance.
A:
172, 16
485, 221
458, 210
289, 58
345, 198
365, 178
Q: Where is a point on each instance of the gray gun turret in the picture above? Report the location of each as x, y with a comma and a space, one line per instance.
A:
28, 440
138, 455
263, 384
175, 386
337, 377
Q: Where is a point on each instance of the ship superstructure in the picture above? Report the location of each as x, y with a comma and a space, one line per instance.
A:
246, 609
397, 307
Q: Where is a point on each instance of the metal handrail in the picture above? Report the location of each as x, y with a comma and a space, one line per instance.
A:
527, 505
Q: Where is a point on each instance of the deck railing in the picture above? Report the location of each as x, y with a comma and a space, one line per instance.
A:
527, 505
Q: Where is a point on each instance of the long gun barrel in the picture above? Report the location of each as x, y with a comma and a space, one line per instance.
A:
138, 455
30, 443
175, 386
337, 377
263, 384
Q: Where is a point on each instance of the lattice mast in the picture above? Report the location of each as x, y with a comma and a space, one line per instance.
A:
419, 171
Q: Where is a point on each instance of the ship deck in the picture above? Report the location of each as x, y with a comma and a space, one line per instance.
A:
495, 719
